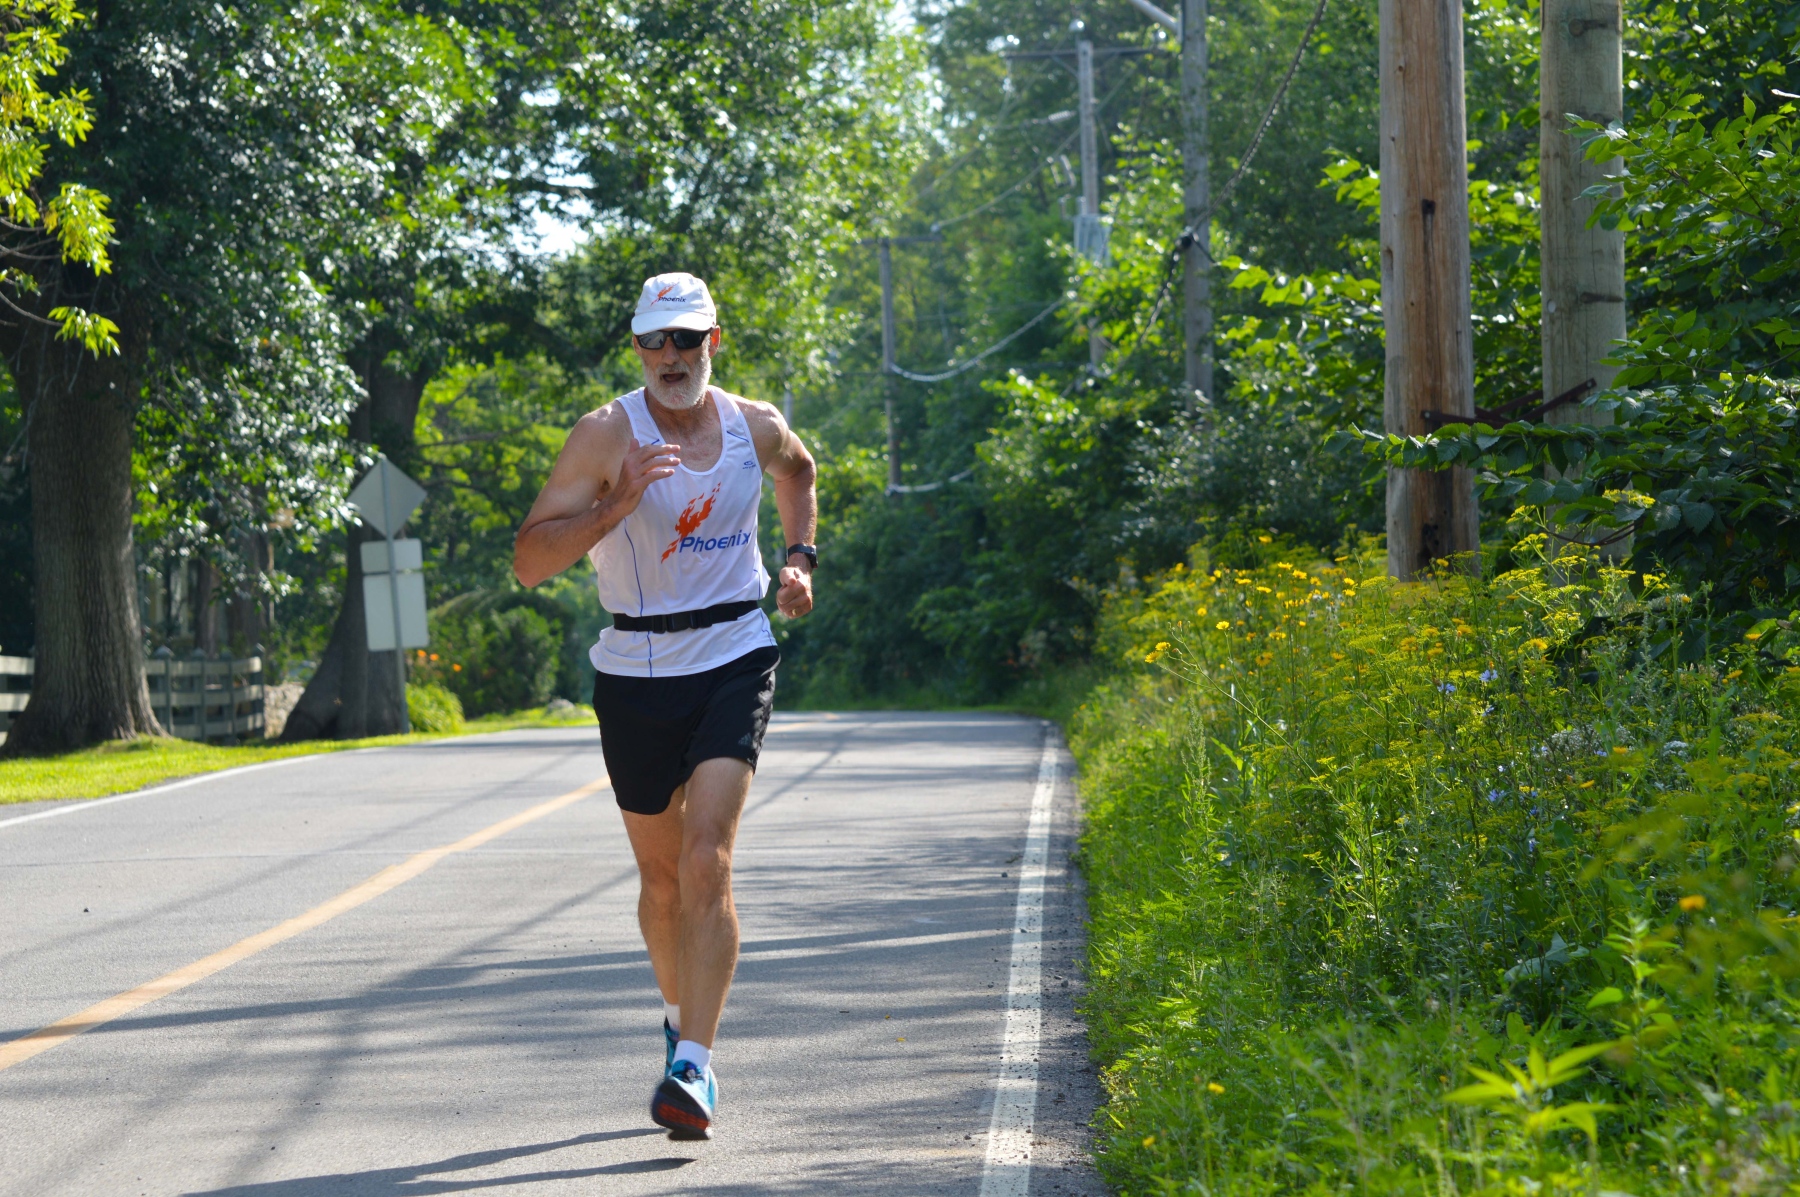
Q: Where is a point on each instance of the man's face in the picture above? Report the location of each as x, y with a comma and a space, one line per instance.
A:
677, 378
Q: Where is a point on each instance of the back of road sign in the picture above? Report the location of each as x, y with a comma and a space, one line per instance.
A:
378, 611
386, 498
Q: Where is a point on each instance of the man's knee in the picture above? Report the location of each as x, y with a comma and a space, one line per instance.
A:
660, 883
705, 871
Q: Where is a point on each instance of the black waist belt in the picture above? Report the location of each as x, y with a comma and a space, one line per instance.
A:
682, 621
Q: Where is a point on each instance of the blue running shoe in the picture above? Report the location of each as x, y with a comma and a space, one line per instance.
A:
685, 1101
672, 1037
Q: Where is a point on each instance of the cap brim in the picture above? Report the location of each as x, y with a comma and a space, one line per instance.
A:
651, 321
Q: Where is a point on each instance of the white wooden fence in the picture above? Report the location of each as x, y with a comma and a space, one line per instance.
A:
215, 699
15, 689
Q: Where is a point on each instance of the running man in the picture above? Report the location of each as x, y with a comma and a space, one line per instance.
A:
660, 489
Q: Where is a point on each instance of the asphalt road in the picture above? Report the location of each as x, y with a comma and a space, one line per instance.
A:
488, 1020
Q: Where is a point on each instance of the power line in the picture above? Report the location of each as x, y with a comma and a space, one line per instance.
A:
1280, 92
1191, 238
1042, 166
996, 347
971, 363
921, 488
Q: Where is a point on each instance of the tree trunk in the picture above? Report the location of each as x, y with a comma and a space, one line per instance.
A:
89, 683
247, 613
206, 615
354, 692
1431, 514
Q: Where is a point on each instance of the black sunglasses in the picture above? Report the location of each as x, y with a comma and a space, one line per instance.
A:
684, 338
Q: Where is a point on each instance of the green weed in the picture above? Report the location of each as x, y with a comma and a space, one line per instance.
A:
1452, 887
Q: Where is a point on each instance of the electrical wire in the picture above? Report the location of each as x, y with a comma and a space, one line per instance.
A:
1190, 236
1130, 73
939, 225
971, 363
1280, 94
996, 347
922, 487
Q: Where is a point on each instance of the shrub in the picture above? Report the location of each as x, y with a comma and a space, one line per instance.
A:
1369, 861
433, 708
494, 661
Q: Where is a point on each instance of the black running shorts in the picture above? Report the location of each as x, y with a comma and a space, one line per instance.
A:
654, 731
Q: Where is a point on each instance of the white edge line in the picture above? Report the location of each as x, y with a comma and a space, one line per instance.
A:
1007, 1169
76, 804
79, 804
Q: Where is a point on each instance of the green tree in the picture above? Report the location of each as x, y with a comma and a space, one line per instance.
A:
735, 141
244, 149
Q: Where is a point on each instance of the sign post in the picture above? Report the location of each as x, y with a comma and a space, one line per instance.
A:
393, 587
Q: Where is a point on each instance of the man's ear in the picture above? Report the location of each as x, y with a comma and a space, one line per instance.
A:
718, 337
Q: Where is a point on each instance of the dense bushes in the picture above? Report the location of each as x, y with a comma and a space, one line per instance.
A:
1355, 846
432, 708
493, 660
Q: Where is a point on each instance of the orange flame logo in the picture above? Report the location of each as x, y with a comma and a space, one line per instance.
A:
689, 519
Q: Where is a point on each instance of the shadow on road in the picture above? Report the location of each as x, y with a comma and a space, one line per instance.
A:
418, 1178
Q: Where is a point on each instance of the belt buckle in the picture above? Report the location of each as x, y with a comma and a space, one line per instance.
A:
681, 621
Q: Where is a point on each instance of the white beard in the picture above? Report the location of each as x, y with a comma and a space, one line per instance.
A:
687, 393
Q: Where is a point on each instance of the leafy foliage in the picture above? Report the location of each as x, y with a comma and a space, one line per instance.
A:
255, 153
1706, 481
73, 223
433, 709
1056, 485
493, 657
1701, 467
1716, 213
1429, 888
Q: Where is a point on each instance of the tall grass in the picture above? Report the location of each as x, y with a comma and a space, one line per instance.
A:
1453, 887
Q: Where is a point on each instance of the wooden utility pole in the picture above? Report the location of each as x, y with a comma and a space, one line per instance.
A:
1196, 165
1581, 73
888, 379
1431, 514
1196, 168
1090, 234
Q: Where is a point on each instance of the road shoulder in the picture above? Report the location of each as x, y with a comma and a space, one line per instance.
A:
1069, 1091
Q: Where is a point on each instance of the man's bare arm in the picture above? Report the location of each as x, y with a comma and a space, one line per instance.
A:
786, 461
598, 480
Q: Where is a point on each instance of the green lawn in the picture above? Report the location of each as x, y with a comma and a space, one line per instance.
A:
129, 765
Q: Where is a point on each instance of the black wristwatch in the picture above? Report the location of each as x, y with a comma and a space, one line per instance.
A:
808, 551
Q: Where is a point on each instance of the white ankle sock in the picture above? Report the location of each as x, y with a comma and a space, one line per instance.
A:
699, 1057
672, 1012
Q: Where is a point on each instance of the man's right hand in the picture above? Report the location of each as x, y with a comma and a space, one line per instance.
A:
643, 465
588, 493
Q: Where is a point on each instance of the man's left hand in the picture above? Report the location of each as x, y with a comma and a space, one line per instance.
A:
794, 598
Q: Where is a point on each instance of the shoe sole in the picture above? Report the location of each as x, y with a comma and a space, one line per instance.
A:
678, 1114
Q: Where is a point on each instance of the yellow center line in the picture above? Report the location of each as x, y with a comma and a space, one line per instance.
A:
43, 1039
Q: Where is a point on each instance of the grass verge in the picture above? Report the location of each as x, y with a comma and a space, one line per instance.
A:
1452, 888
122, 766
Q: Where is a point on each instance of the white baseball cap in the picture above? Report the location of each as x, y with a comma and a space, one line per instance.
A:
674, 301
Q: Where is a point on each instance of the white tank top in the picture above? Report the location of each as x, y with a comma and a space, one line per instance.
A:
691, 543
